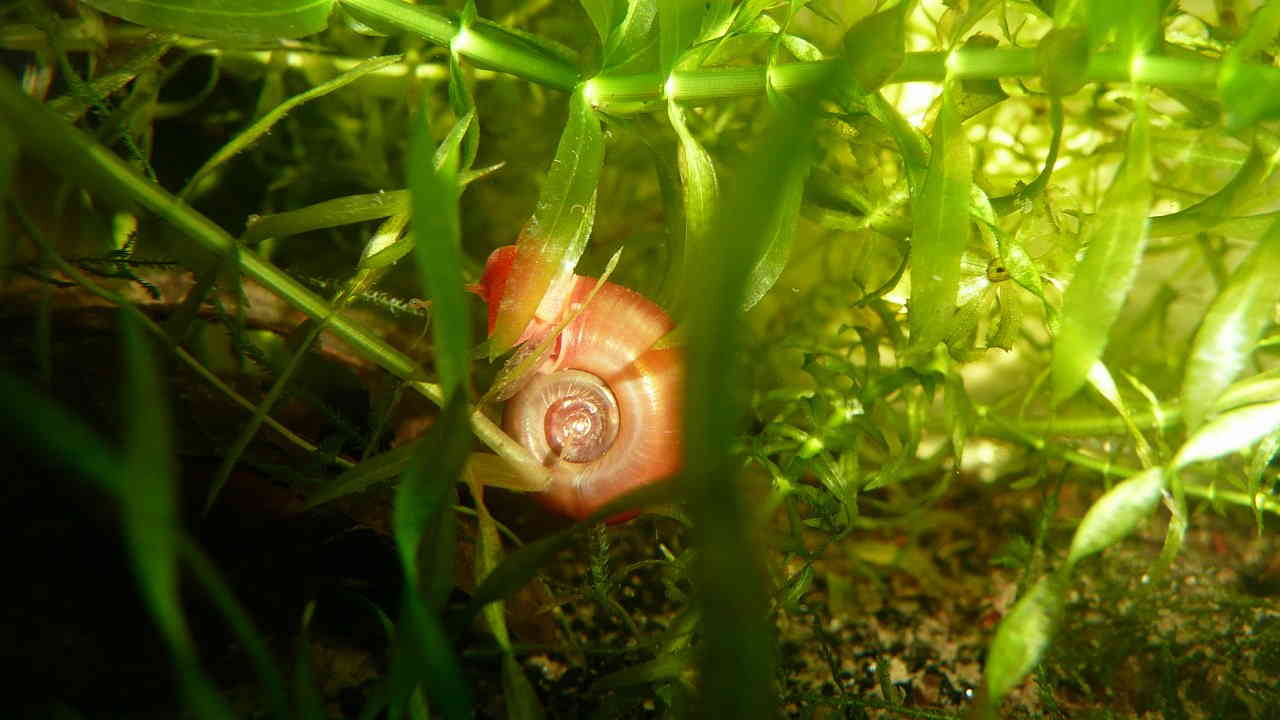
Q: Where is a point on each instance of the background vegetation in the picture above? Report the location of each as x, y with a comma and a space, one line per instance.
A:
969, 292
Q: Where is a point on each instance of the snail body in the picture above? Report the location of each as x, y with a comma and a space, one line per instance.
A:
602, 412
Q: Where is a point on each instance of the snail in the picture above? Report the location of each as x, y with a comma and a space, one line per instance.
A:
602, 411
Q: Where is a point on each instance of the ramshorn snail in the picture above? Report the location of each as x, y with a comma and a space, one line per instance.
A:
602, 411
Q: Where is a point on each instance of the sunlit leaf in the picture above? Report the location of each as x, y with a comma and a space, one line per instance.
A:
1232, 199
679, 22
1023, 636
974, 95
1229, 432
603, 16
554, 238
238, 20
330, 213
875, 46
463, 103
633, 34
1248, 89
1101, 381
437, 237
1114, 243
1117, 513
940, 231
1231, 327
700, 194
1134, 27
1263, 455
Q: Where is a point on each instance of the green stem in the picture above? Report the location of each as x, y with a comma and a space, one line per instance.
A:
484, 43
1007, 431
83, 161
701, 86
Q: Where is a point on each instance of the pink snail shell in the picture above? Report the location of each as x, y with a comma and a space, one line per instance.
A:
603, 412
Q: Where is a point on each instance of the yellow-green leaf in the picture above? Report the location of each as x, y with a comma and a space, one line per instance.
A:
1114, 243
940, 231
1231, 327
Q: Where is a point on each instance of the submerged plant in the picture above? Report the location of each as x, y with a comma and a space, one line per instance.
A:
835, 279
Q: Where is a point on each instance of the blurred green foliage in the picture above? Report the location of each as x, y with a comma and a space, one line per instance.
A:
918, 253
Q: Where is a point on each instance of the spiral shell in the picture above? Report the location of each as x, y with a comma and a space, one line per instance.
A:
603, 411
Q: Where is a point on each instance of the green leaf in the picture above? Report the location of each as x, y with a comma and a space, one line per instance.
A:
463, 103
433, 182
1231, 327
632, 35
1229, 432
422, 503
1022, 637
510, 378
1101, 381
1261, 388
875, 46
551, 243
1251, 93
380, 468
522, 700
700, 193
327, 214
519, 567
780, 232
665, 667
1232, 200
239, 20
1136, 27
737, 664
1117, 513
260, 127
940, 231
150, 497
1114, 243
974, 95
679, 22
602, 14
1255, 474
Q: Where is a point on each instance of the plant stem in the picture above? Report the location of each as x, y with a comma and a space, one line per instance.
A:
700, 86
491, 46
68, 151
482, 42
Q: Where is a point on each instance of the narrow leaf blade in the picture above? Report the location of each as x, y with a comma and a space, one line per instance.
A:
238, 20
1114, 245
551, 243
1230, 432
940, 232
1117, 513
1231, 327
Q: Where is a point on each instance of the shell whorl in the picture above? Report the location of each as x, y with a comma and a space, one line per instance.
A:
565, 416
605, 367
